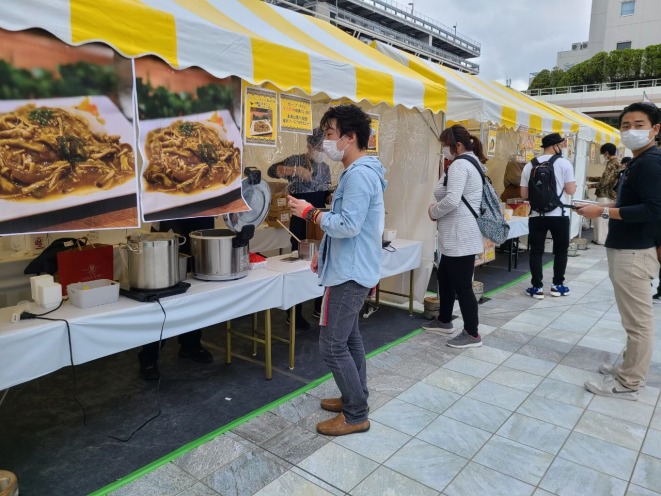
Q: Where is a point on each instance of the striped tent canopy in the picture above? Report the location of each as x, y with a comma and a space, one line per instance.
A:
251, 39
472, 98
589, 128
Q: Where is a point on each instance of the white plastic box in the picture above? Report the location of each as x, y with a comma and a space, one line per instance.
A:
93, 293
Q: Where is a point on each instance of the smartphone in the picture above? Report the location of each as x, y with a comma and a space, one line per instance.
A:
584, 202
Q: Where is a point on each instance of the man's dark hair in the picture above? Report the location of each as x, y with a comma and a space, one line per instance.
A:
316, 138
625, 160
648, 108
349, 118
608, 148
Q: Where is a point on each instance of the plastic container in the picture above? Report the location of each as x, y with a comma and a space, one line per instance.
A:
93, 293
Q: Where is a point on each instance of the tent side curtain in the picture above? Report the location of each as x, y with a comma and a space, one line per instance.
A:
251, 39
472, 98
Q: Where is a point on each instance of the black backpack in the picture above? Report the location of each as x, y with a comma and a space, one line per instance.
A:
542, 192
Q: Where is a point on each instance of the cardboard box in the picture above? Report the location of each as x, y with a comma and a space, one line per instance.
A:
279, 192
283, 215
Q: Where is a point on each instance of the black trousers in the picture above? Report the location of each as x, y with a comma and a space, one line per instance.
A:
455, 280
189, 341
538, 227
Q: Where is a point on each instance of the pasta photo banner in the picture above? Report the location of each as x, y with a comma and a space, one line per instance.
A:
67, 142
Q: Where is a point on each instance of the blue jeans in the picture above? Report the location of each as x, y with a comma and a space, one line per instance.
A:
341, 346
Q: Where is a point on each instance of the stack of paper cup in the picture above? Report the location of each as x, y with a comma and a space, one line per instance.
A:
36, 281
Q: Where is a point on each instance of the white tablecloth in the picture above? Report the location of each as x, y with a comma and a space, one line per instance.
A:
402, 255
300, 283
518, 227
32, 348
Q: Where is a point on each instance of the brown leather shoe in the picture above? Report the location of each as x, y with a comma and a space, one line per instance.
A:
332, 404
337, 426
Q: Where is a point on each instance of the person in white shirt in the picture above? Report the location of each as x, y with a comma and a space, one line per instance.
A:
549, 214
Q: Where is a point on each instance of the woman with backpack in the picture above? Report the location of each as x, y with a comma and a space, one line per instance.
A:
459, 236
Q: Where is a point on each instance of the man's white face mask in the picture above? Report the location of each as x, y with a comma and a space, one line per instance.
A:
635, 139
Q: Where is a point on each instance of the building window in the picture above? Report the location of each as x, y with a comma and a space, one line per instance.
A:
623, 45
628, 7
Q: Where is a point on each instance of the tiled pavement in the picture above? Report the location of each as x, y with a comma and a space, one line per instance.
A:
510, 418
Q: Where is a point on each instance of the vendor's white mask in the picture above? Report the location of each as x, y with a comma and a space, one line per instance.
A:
330, 149
635, 139
447, 153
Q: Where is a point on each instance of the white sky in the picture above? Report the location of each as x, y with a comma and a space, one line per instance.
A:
517, 36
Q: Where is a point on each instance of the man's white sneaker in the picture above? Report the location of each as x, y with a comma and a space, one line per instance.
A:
610, 386
607, 369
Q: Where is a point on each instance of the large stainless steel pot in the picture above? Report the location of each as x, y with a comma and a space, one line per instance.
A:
220, 254
153, 260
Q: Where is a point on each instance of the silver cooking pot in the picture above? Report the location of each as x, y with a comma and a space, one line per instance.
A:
220, 254
153, 260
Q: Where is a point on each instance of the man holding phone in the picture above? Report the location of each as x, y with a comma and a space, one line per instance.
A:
633, 220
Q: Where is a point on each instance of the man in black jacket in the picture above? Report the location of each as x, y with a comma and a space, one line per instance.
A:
631, 249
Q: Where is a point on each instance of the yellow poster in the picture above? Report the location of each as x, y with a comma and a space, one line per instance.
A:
261, 112
373, 142
491, 143
295, 114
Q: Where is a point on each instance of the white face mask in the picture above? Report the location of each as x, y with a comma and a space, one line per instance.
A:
603, 159
330, 149
318, 156
447, 153
635, 139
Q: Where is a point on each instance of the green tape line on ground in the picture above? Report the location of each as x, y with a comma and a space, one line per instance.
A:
231, 425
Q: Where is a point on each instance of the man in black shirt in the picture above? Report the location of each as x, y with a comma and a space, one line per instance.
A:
631, 249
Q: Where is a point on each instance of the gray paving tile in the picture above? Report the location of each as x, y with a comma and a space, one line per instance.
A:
246, 474
209, 457
517, 337
572, 375
552, 411
560, 336
652, 444
516, 379
501, 344
600, 455
656, 420
292, 484
310, 422
572, 322
386, 359
294, 443
338, 466
167, 480
429, 397
478, 479
564, 392
470, 366
647, 473
529, 364
297, 408
601, 344
498, 395
327, 389
404, 416
534, 433
415, 368
565, 478
540, 352
537, 317
514, 459
389, 383
450, 380
640, 491
198, 489
262, 428
633, 411
588, 358
425, 463
377, 444
386, 481
613, 430
551, 344
454, 436
488, 354
478, 414
523, 327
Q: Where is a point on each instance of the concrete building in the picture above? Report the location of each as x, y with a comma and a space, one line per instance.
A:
396, 24
616, 25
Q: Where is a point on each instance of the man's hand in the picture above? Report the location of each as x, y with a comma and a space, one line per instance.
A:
590, 211
297, 206
304, 174
429, 212
314, 263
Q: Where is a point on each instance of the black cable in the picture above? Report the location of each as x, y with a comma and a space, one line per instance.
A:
73, 369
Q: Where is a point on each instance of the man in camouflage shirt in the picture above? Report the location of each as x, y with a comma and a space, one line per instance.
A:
606, 188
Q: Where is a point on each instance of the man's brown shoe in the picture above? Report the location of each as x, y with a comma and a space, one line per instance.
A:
337, 426
332, 404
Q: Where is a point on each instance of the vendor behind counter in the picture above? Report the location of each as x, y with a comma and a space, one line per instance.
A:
309, 179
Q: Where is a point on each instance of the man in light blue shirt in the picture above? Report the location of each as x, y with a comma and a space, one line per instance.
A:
349, 262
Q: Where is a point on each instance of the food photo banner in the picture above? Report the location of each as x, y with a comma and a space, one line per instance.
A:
189, 140
261, 116
67, 144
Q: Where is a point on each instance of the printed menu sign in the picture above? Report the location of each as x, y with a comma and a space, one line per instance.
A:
491, 143
373, 142
295, 114
261, 112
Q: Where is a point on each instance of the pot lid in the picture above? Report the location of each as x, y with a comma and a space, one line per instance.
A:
257, 195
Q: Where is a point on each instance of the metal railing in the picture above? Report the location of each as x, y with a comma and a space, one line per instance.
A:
587, 88
408, 41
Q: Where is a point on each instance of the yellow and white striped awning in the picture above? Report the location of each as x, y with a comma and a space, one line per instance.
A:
471, 98
251, 39
589, 128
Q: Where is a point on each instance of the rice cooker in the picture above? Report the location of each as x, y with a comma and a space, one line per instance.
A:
222, 254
